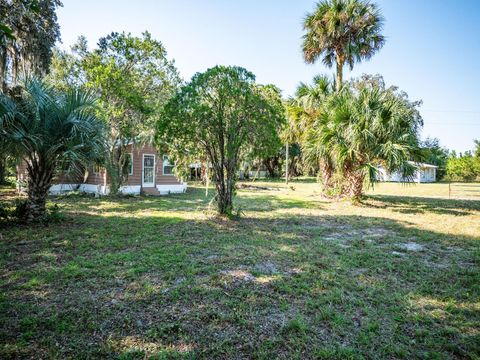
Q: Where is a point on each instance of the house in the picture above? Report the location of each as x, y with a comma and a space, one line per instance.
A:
425, 173
148, 172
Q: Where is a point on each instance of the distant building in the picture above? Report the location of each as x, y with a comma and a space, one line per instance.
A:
425, 173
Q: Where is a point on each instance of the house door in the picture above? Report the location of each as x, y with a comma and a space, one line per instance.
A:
423, 175
148, 176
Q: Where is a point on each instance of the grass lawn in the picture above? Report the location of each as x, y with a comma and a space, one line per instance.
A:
466, 191
296, 277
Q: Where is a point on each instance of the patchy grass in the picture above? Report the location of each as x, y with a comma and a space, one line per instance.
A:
295, 277
466, 191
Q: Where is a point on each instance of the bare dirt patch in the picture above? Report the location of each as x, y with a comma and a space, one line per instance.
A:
412, 246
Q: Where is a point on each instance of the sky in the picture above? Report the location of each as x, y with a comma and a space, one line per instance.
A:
432, 49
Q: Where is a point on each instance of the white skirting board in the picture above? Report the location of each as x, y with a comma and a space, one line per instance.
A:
172, 188
94, 189
131, 189
63, 188
105, 190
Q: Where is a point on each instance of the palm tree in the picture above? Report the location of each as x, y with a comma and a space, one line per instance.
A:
365, 126
302, 112
50, 130
342, 31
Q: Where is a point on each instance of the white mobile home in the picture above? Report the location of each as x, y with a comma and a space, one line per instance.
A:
425, 173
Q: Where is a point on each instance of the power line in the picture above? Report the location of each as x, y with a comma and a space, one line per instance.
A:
451, 111
452, 123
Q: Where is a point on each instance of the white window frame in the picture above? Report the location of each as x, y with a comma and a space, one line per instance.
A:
154, 167
168, 164
130, 171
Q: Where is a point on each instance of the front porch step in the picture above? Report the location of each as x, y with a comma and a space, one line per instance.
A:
151, 191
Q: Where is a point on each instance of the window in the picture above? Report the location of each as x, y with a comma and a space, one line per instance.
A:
129, 163
167, 167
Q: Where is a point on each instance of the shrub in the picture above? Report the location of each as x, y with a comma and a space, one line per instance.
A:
54, 213
4, 212
12, 212
20, 211
463, 168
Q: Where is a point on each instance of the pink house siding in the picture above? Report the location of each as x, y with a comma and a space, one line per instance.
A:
137, 156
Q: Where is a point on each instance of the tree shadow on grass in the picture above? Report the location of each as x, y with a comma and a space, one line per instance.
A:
268, 203
420, 205
281, 180
282, 286
193, 200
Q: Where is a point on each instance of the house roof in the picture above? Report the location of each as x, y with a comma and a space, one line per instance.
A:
423, 165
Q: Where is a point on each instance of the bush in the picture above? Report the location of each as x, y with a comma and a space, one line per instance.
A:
12, 212
16, 211
20, 211
463, 168
4, 212
338, 185
54, 214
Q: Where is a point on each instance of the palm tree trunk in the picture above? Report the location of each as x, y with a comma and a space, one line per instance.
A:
326, 171
39, 182
355, 179
356, 190
339, 77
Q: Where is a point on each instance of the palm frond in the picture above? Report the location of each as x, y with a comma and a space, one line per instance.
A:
52, 127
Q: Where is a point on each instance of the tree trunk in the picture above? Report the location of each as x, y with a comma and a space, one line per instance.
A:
356, 190
273, 166
3, 169
293, 167
116, 170
326, 171
339, 77
115, 180
39, 182
224, 185
354, 178
270, 168
224, 202
3, 69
